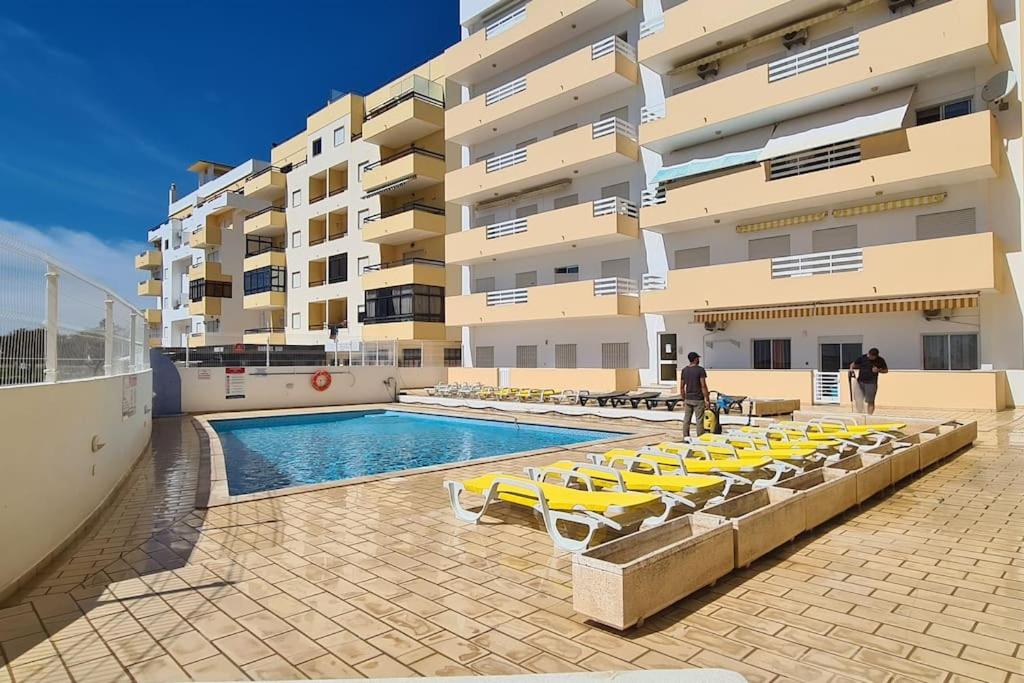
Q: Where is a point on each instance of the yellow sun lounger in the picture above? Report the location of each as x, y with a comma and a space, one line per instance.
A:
769, 438
746, 445
696, 487
842, 424
662, 462
588, 508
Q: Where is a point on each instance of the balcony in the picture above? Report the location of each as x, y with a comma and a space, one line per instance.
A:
408, 223
413, 168
595, 72
907, 269
271, 256
264, 335
594, 223
268, 221
414, 111
150, 288
414, 271
699, 27
156, 342
603, 298
269, 184
208, 270
589, 149
154, 316
915, 159
954, 35
209, 236
401, 329
207, 306
149, 260
513, 38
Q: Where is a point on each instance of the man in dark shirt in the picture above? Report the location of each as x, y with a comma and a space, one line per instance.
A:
693, 386
869, 366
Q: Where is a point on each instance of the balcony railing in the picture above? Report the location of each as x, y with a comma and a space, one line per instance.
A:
506, 228
266, 209
254, 246
496, 28
412, 206
313, 199
651, 26
419, 88
506, 297
652, 112
403, 262
264, 330
623, 207
257, 174
818, 159
616, 286
503, 92
613, 126
316, 327
404, 318
822, 263
506, 160
816, 58
653, 283
404, 153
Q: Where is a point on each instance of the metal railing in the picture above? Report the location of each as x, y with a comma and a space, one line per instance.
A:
822, 263
400, 155
505, 228
650, 282
651, 26
411, 206
266, 209
57, 324
612, 44
615, 126
506, 297
264, 330
816, 58
499, 26
503, 92
403, 262
619, 286
652, 112
618, 205
257, 174
813, 160
414, 87
653, 196
506, 160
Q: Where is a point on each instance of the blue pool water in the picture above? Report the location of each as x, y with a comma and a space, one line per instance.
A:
275, 452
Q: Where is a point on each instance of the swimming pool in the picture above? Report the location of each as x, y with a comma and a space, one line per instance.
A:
261, 454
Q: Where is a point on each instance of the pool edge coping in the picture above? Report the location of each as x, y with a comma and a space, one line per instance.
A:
218, 483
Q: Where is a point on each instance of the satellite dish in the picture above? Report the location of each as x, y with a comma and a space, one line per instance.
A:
998, 88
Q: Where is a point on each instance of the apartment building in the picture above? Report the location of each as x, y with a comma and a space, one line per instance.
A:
794, 180
196, 260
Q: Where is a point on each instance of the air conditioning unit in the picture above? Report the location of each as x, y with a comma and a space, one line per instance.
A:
715, 326
794, 38
707, 70
896, 5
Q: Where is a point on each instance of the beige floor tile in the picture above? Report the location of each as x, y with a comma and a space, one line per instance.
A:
135, 648
272, 668
216, 668
48, 670
215, 625
264, 624
84, 648
103, 670
295, 647
161, 669
328, 666
384, 667
188, 647
313, 624
439, 665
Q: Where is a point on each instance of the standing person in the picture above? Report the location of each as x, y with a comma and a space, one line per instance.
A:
693, 386
869, 366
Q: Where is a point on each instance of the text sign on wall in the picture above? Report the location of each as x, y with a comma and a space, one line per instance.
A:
234, 382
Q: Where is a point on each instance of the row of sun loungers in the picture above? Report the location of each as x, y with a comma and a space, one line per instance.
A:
629, 489
651, 400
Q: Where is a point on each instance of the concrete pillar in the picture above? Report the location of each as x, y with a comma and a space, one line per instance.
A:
108, 339
52, 322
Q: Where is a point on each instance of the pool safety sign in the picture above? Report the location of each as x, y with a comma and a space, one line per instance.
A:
234, 382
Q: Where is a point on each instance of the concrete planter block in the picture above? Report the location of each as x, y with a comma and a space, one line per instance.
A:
622, 582
906, 460
873, 472
826, 493
767, 407
945, 439
762, 520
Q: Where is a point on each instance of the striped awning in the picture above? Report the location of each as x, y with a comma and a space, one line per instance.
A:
390, 186
859, 307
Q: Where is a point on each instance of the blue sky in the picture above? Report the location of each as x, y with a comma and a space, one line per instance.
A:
103, 104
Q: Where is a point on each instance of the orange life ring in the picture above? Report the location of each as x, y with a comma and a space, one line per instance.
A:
321, 380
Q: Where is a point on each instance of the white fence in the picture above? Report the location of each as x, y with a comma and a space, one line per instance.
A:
613, 125
506, 160
653, 196
505, 297
653, 283
612, 44
496, 28
822, 263
818, 159
816, 58
503, 92
622, 286
826, 387
651, 26
652, 112
505, 228
609, 205
57, 324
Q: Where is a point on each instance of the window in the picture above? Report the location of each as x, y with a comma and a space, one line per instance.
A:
337, 268
526, 356
834, 239
296, 279
486, 219
453, 358
266, 279
525, 143
618, 267
565, 129
297, 238
932, 226
768, 247
483, 284
361, 264
361, 313
620, 190
359, 169
771, 354
694, 257
527, 279
614, 355
947, 110
257, 244
296, 321
361, 216
418, 303
318, 147
950, 352
568, 200
620, 113
296, 197
412, 358
200, 289
565, 355
339, 136
484, 357
567, 274
524, 211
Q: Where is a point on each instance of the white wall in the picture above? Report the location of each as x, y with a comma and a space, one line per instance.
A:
52, 480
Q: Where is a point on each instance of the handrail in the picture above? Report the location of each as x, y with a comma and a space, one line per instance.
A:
411, 206
820, 263
404, 153
343, 325
507, 297
263, 211
393, 102
314, 199
815, 58
264, 330
404, 318
260, 172
263, 249
416, 260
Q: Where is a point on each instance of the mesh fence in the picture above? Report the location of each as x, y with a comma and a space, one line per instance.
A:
45, 306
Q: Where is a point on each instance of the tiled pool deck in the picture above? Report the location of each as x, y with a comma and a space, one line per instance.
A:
378, 579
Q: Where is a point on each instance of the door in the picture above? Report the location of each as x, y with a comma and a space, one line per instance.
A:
837, 356
668, 356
